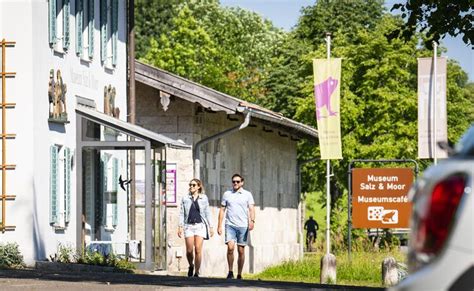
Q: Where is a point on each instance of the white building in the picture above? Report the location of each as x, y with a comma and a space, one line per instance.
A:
68, 139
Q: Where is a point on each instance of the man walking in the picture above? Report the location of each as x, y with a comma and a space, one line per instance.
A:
239, 207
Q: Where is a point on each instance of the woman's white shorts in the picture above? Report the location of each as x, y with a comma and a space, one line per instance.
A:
195, 229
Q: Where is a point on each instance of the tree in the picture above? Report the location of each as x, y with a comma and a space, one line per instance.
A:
153, 18
187, 51
337, 16
437, 19
228, 49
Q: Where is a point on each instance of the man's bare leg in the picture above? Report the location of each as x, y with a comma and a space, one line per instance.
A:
230, 255
241, 260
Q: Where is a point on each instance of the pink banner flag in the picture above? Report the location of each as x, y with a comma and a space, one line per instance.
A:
327, 76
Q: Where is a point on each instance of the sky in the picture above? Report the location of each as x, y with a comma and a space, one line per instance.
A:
285, 13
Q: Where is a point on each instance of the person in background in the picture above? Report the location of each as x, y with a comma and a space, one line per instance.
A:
194, 223
239, 208
311, 227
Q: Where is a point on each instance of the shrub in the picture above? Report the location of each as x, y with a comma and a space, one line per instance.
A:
10, 256
124, 266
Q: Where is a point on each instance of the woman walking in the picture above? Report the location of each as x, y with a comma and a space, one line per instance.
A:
194, 221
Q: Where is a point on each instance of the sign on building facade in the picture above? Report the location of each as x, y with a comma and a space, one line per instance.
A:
379, 198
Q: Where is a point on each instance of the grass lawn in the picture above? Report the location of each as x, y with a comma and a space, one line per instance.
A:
365, 269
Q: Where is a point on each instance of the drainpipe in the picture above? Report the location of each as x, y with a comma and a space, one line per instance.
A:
197, 147
301, 206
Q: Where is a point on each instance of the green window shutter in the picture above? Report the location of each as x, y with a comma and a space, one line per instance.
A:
66, 38
52, 21
115, 4
103, 181
67, 183
103, 30
91, 28
79, 26
114, 212
115, 171
53, 185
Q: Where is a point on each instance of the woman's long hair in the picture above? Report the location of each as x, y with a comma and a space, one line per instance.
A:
199, 183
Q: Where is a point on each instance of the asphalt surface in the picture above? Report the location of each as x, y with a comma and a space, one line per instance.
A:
33, 279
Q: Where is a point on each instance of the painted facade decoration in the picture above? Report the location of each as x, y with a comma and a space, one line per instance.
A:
57, 98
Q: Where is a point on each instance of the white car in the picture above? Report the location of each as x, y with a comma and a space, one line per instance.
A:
441, 247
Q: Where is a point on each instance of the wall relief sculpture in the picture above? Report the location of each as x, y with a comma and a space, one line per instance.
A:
57, 98
109, 102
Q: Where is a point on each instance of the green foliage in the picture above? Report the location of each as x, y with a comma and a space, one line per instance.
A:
10, 256
65, 254
338, 17
228, 49
364, 269
437, 19
124, 266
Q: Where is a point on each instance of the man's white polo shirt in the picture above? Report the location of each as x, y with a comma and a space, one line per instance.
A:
237, 205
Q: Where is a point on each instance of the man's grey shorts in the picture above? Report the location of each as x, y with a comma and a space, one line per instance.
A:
237, 234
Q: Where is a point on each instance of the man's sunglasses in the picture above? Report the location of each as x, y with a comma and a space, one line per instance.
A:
236, 182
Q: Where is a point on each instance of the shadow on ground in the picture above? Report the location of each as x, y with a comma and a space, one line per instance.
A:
165, 281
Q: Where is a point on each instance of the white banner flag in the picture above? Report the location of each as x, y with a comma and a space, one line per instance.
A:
427, 139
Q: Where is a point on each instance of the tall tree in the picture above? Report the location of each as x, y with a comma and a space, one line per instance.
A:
337, 16
234, 47
437, 19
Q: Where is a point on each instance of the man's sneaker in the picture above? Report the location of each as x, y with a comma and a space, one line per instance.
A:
190, 271
230, 275
196, 275
239, 277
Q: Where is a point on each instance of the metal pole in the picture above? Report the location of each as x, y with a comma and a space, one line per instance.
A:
349, 204
435, 57
328, 169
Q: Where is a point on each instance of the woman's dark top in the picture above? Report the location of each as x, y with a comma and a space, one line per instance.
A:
194, 212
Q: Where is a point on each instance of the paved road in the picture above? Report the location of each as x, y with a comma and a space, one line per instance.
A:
33, 279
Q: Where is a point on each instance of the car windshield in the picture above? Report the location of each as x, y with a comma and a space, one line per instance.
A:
465, 146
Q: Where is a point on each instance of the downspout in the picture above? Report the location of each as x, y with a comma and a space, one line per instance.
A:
132, 111
197, 147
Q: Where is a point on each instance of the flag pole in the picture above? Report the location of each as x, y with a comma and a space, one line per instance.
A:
328, 167
435, 73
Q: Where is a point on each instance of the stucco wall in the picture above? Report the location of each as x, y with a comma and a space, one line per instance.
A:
26, 23
265, 159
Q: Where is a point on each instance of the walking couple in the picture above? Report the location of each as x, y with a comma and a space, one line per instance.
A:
195, 223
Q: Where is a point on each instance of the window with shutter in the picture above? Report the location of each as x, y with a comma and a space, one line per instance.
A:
52, 22
79, 16
66, 10
114, 37
90, 30
58, 22
103, 30
67, 184
114, 202
53, 185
